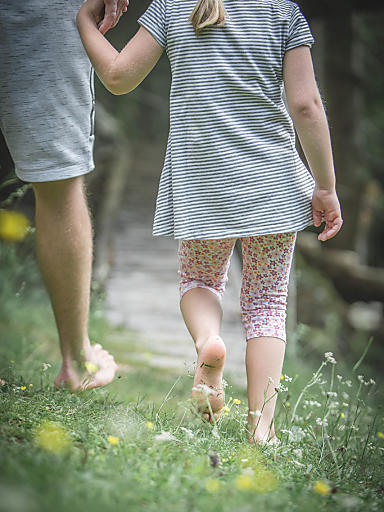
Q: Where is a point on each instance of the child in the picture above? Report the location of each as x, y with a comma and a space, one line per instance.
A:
231, 169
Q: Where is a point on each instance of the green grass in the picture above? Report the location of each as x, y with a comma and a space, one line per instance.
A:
199, 468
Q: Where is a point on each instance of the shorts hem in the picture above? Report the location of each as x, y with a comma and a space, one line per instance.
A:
47, 176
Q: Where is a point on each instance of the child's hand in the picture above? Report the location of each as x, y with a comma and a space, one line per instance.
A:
326, 206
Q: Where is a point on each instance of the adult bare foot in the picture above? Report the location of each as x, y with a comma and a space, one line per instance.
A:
208, 381
97, 369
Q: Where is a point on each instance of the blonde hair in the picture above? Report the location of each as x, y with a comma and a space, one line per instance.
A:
207, 13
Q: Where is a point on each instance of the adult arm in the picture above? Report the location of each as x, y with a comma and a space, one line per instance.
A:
119, 72
308, 115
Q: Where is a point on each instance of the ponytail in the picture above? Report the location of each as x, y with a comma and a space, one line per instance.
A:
207, 13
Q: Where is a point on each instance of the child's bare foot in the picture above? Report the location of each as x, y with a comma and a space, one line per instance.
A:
208, 384
259, 431
97, 369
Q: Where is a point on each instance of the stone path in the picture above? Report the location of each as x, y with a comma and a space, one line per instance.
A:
142, 289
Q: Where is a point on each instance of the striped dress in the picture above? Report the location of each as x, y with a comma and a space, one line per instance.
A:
231, 167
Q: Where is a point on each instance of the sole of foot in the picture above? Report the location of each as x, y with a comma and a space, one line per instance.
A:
208, 381
97, 370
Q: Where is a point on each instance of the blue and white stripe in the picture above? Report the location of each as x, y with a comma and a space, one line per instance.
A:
231, 167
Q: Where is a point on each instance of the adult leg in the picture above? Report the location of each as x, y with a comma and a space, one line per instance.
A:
267, 262
203, 272
64, 249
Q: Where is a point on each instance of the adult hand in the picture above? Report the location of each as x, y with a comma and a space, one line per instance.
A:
326, 206
113, 9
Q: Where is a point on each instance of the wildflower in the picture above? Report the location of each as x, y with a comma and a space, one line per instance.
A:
226, 410
360, 378
13, 226
165, 436
149, 425
348, 383
287, 404
255, 413
270, 380
322, 487
380, 435
113, 440
339, 378
342, 415
280, 387
23, 388
371, 381
46, 366
12, 361
329, 358
332, 394
322, 422
31, 385
287, 378
204, 389
188, 432
212, 485
236, 401
90, 367
52, 437
282, 377
244, 482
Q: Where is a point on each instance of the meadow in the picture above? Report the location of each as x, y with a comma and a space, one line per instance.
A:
139, 445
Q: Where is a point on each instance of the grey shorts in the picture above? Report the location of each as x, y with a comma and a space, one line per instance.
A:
46, 90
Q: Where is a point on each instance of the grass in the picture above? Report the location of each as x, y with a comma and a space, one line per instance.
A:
137, 445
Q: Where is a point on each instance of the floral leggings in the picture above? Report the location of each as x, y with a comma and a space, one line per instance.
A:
266, 265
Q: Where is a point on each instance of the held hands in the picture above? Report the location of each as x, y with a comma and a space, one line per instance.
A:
106, 12
326, 206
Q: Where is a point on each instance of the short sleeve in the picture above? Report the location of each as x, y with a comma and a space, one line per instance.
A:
299, 32
154, 20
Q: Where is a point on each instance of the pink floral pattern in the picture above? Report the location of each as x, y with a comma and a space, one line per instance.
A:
267, 262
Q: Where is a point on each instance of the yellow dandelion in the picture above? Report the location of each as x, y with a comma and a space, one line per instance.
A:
113, 440
322, 488
13, 226
31, 385
342, 415
23, 388
236, 401
226, 410
282, 377
150, 425
52, 437
244, 482
213, 485
90, 367
287, 404
380, 435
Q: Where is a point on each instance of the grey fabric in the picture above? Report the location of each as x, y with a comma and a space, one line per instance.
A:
231, 167
46, 90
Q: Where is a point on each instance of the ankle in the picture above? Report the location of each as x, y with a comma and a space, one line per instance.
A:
76, 355
209, 340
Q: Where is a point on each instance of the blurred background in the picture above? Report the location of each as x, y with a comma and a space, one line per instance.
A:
337, 288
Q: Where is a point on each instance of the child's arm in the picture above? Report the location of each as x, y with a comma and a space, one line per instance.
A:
308, 115
119, 72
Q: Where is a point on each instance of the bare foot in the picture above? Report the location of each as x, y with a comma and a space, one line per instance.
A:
97, 370
208, 384
259, 432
